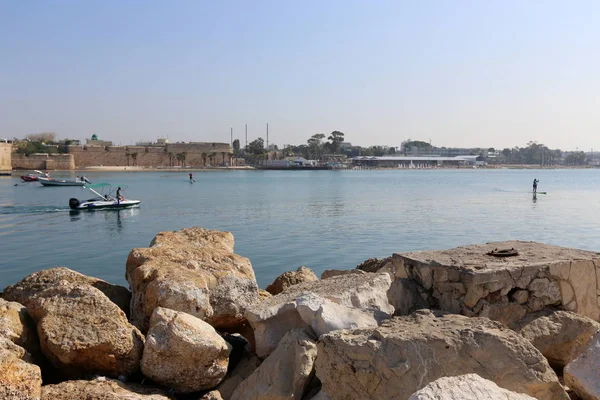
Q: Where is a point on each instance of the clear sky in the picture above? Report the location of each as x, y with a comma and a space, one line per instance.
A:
458, 73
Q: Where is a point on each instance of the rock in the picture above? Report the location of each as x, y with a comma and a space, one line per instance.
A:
582, 375
466, 387
245, 367
373, 264
329, 273
321, 396
25, 290
184, 352
291, 278
101, 389
324, 316
406, 296
272, 318
285, 374
561, 336
540, 277
193, 271
17, 326
212, 395
19, 378
406, 353
263, 294
81, 331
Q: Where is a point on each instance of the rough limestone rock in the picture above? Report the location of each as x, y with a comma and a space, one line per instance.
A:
406, 353
329, 273
25, 290
374, 264
194, 271
321, 396
184, 352
245, 367
272, 318
291, 278
19, 378
466, 387
466, 280
582, 375
101, 389
285, 374
81, 331
407, 296
324, 316
17, 326
212, 395
561, 336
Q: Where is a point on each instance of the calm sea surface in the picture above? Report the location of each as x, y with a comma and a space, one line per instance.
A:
281, 220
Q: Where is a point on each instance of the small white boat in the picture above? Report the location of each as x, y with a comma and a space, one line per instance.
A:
63, 182
102, 201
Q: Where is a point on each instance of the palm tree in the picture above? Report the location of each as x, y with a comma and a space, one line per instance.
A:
223, 157
204, 155
134, 157
128, 155
211, 157
183, 157
179, 157
171, 157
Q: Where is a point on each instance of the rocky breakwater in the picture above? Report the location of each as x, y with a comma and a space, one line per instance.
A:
66, 336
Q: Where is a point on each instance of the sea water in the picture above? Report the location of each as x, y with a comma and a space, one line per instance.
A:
284, 219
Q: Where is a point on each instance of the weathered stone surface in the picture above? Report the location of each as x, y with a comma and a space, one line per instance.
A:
373, 264
274, 317
212, 395
582, 375
17, 326
321, 396
285, 374
330, 273
466, 387
291, 278
406, 353
246, 366
541, 276
407, 296
561, 336
27, 289
263, 294
184, 352
82, 331
19, 378
194, 271
324, 316
101, 389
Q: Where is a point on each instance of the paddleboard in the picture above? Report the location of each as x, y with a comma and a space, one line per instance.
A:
539, 192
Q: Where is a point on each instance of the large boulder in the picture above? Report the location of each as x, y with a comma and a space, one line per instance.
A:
582, 375
291, 278
17, 326
82, 332
19, 378
101, 389
27, 289
374, 264
272, 318
561, 336
236, 375
212, 395
330, 273
184, 352
404, 354
193, 271
285, 374
466, 387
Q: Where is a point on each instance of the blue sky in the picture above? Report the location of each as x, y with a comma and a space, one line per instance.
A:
464, 73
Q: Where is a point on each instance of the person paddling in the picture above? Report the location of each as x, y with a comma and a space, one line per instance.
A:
191, 177
535, 183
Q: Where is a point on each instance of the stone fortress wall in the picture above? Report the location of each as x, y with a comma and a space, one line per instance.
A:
5, 156
151, 156
43, 161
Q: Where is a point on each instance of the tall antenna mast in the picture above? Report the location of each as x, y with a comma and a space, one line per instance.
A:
246, 136
267, 137
231, 137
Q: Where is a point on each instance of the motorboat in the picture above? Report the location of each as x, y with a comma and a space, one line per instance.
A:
103, 201
64, 182
34, 177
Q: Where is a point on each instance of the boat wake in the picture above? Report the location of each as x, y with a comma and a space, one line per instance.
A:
31, 209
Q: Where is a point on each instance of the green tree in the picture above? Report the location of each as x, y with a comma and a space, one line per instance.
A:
257, 147
335, 140
314, 145
236, 147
